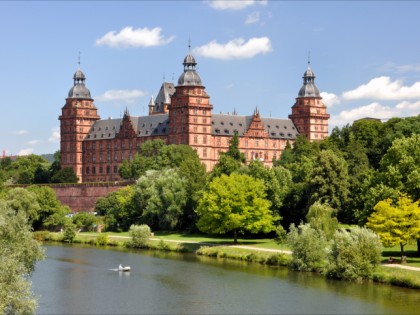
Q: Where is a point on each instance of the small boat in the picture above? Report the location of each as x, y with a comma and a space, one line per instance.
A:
124, 268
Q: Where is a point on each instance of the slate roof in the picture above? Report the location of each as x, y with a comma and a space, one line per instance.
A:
222, 125
276, 128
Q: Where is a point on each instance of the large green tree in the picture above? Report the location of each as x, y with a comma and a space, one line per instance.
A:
396, 223
329, 182
18, 255
235, 203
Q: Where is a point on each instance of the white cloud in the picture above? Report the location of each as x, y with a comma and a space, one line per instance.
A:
390, 66
234, 4
129, 37
20, 132
26, 151
55, 135
376, 110
252, 18
330, 99
128, 96
383, 88
235, 49
34, 142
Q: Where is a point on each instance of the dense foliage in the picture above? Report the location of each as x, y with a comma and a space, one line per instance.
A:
18, 255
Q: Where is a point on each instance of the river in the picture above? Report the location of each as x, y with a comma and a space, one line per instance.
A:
82, 280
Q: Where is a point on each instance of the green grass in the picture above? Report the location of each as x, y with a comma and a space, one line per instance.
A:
410, 251
398, 277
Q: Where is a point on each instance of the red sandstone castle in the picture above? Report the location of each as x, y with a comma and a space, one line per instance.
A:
180, 114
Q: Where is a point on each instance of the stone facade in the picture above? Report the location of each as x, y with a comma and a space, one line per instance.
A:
181, 114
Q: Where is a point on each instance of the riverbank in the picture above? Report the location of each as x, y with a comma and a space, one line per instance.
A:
253, 251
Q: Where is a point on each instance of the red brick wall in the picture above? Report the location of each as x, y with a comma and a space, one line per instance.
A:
82, 197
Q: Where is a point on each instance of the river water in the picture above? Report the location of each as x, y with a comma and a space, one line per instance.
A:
82, 280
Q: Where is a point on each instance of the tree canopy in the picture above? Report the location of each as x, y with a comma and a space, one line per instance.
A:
235, 203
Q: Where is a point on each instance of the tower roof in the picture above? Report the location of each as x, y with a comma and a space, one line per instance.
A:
79, 90
308, 88
190, 76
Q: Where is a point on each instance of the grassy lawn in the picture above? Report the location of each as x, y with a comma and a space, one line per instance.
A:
410, 251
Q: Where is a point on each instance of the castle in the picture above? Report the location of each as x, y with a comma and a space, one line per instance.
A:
180, 114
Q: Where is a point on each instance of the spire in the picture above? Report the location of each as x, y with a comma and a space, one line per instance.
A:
309, 88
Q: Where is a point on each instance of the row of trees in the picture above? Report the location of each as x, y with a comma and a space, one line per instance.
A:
34, 169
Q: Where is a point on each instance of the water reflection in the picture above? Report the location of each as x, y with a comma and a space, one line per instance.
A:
81, 280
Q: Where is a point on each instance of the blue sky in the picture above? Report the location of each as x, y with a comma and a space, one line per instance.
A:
365, 55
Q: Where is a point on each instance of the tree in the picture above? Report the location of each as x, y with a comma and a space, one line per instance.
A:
235, 203
354, 254
19, 253
140, 235
400, 166
24, 167
22, 200
309, 248
51, 212
330, 182
396, 223
164, 198
65, 175
69, 231
322, 217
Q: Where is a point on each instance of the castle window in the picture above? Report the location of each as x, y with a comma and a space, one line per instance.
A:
290, 135
93, 170
282, 134
204, 140
205, 152
115, 169
266, 143
115, 157
217, 130
108, 169
274, 144
94, 158
257, 143
88, 136
273, 134
99, 129
195, 129
100, 169
195, 139
204, 120
204, 129
87, 170
227, 131
94, 136
246, 142
218, 142
204, 112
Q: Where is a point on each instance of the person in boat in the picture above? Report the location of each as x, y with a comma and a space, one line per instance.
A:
120, 267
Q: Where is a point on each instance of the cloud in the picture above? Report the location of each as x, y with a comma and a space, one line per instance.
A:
129, 37
252, 18
390, 66
34, 142
330, 99
376, 110
383, 88
128, 96
26, 151
234, 4
20, 132
55, 135
235, 49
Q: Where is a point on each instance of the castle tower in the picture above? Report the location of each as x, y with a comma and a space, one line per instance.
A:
78, 115
309, 114
190, 113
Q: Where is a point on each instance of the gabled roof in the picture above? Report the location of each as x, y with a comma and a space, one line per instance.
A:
225, 125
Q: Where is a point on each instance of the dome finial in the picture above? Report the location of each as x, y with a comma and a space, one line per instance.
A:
189, 44
78, 61
309, 57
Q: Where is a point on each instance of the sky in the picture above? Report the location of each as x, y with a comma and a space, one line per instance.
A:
365, 56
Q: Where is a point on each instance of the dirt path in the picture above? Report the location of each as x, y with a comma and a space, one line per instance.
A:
402, 267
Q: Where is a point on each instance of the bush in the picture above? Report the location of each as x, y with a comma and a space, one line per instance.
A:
354, 254
102, 240
139, 235
85, 221
41, 235
309, 248
69, 232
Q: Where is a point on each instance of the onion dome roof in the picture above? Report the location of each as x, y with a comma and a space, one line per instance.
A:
308, 88
190, 76
79, 89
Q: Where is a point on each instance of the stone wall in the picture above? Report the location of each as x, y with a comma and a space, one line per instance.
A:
82, 197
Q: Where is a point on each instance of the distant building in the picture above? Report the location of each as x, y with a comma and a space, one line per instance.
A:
180, 114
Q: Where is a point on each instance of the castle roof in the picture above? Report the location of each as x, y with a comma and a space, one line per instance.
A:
222, 125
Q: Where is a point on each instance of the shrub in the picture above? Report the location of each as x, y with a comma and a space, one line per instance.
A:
354, 254
102, 240
278, 260
69, 232
309, 248
41, 235
85, 221
139, 235
162, 245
